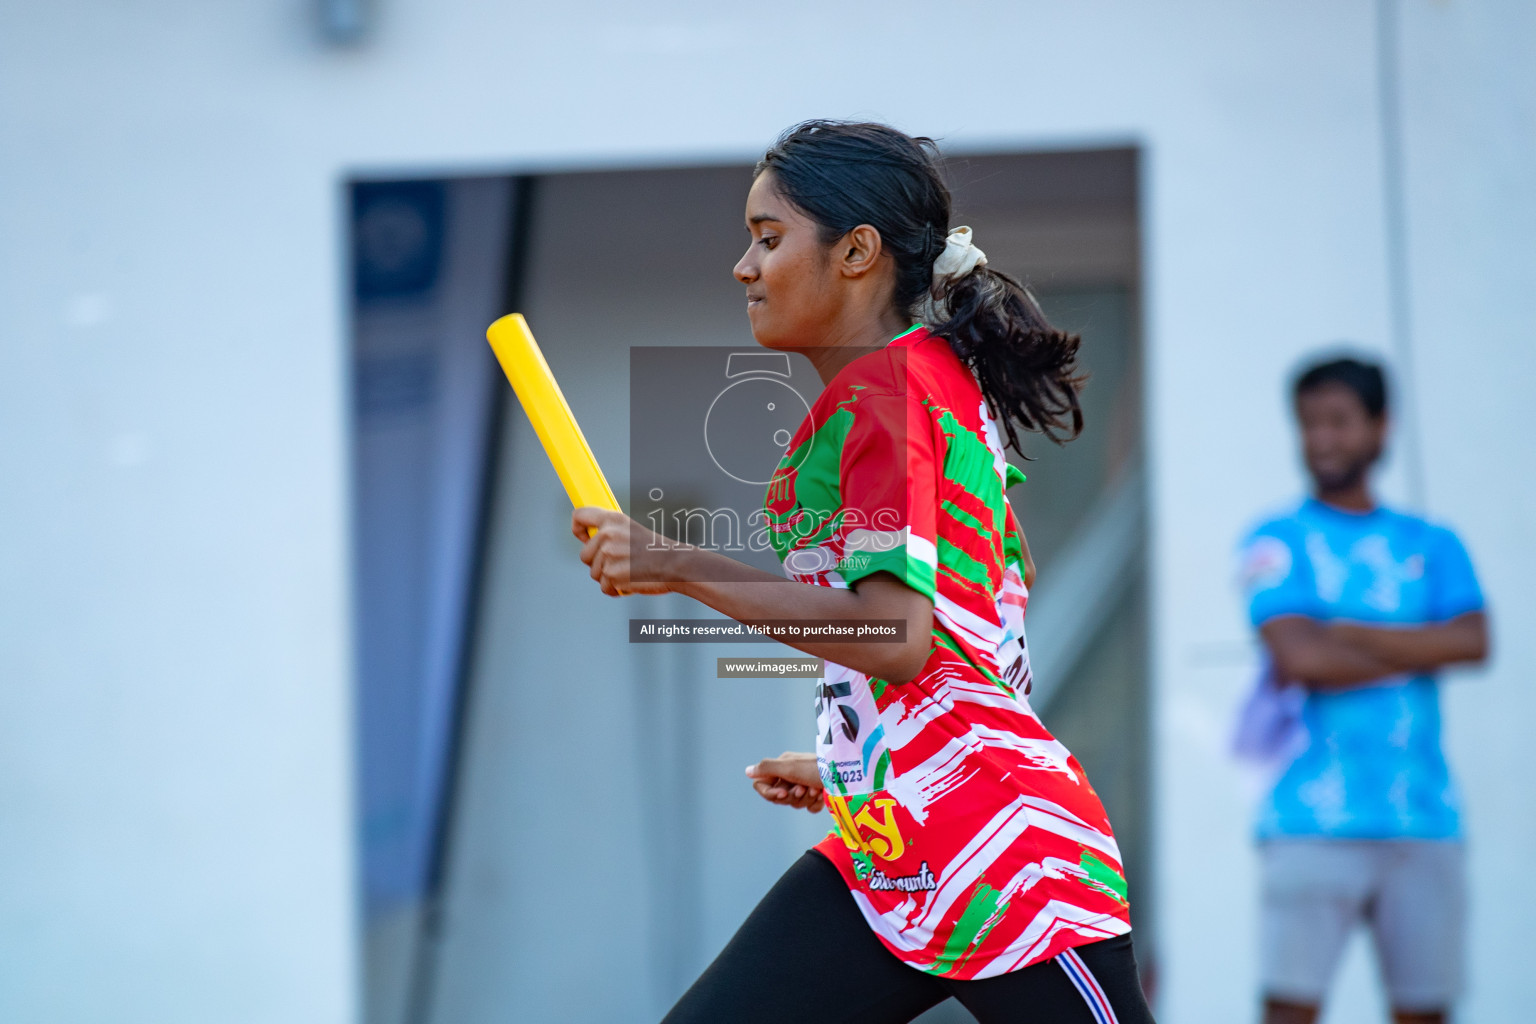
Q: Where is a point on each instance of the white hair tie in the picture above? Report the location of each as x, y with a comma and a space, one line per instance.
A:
959, 258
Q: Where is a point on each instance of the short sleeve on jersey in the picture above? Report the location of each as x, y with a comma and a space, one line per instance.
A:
889, 472
1276, 577
1453, 586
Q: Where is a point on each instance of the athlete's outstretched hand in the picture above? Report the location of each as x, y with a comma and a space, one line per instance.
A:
790, 779
609, 552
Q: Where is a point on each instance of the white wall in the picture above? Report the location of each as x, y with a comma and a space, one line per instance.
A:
173, 615
1470, 98
1471, 140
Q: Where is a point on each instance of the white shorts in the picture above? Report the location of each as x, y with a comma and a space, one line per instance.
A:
1411, 892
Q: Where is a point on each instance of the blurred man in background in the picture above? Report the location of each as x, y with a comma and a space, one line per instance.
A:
1360, 605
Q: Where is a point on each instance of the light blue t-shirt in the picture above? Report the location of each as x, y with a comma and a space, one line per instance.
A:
1372, 767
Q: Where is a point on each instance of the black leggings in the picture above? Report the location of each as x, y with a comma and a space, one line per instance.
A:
806, 954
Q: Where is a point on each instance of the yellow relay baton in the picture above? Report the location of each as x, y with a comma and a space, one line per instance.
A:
552, 420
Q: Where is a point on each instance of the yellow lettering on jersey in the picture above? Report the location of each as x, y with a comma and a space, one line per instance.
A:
886, 843
849, 832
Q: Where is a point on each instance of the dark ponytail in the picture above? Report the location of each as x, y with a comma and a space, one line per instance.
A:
1027, 368
843, 174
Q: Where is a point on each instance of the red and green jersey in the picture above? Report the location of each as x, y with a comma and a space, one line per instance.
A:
969, 837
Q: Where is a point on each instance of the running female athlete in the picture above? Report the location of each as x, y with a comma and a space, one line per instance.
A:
971, 858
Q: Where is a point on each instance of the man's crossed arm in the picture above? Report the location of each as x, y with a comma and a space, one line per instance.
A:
1338, 655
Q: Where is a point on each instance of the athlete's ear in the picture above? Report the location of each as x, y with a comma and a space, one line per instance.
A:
858, 250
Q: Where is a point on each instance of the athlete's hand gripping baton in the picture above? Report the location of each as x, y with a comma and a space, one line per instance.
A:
552, 420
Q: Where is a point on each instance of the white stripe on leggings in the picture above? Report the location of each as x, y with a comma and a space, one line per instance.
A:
1088, 987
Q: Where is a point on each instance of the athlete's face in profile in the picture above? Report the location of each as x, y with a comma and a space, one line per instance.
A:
787, 270
1340, 439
